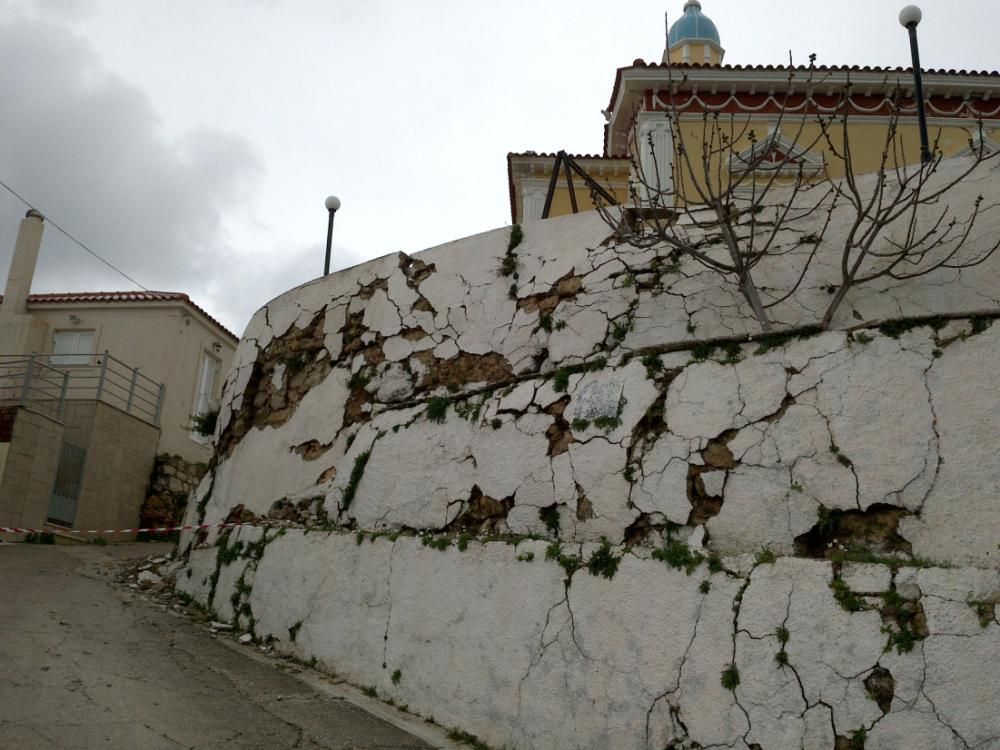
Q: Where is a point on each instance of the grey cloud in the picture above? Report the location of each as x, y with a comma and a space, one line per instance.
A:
89, 150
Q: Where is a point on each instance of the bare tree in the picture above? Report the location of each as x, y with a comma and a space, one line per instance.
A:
900, 226
730, 208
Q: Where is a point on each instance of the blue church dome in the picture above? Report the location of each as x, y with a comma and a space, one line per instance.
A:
693, 26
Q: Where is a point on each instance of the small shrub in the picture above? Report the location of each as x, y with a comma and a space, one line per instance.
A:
370, 692
463, 541
864, 338
679, 556
980, 324
705, 586
99, 541
608, 424
603, 562
653, 365
561, 380
714, 564
826, 522
984, 611
569, 563
848, 600
550, 517
358, 380
204, 423
560, 325
896, 328
516, 238
357, 472
702, 351
733, 352
766, 557
497, 423
730, 677
437, 409
396, 677
440, 543
782, 658
782, 634
359, 538
545, 323
526, 557
579, 425
293, 631
769, 341
620, 330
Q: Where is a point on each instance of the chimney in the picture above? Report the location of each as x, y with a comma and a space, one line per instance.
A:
22, 265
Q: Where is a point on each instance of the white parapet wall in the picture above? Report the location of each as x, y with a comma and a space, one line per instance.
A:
566, 495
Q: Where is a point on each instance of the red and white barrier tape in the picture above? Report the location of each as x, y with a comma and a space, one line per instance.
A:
155, 530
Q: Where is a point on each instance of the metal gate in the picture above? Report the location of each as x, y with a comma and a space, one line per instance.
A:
69, 476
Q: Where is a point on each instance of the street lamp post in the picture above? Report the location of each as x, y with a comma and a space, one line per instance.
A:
910, 17
332, 204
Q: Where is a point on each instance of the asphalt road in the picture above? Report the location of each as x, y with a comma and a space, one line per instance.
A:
85, 663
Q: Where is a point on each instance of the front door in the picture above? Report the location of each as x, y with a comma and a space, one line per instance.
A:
69, 476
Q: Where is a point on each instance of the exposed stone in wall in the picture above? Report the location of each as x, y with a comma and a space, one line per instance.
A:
170, 485
777, 448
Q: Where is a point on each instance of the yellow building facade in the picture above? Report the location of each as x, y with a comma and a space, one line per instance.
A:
691, 121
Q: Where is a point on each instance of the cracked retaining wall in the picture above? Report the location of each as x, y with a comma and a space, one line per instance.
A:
554, 478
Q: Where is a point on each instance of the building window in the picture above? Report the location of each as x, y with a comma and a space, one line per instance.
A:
205, 402
72, 347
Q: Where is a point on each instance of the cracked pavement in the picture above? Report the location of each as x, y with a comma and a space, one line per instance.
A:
87, 664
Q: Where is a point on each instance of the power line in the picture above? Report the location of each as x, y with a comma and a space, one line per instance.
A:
109, 264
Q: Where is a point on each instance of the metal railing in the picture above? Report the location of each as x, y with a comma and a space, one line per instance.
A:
27, 381
57, 378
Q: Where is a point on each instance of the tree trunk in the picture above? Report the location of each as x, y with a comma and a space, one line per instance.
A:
834, 304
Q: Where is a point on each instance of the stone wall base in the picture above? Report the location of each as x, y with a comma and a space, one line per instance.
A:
529, 645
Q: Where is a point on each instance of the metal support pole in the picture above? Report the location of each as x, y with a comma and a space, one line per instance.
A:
159, 404
131, 390
925, 151
104, 375
329, 243
62, 396
569, 185
332, 204
552, 185
27, 380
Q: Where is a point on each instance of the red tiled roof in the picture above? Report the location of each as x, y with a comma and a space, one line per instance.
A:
63, 297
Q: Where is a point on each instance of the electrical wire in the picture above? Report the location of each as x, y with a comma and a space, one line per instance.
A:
48, 219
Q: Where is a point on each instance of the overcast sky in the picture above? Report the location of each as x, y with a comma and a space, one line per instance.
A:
192, 142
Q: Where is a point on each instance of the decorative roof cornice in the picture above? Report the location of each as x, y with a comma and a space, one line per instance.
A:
634, 80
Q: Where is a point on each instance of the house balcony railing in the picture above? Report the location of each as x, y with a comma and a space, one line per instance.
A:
47, 381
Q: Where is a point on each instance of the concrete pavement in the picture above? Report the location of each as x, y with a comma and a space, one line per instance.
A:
87, 664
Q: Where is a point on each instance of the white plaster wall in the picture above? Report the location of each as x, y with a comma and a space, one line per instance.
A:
518, 654
647, 440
